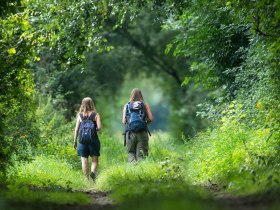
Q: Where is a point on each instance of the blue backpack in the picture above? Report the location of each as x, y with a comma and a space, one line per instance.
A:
87, 130
136, 116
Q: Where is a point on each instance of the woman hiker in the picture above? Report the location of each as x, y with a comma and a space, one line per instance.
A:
136, 115
87, 124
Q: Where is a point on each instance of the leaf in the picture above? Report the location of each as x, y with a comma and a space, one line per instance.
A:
228, 3
186, 81
12, 51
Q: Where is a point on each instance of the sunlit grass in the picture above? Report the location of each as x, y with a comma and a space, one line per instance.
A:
240, 160
159, 166
225, 158
23, 194
140, 173
49, 173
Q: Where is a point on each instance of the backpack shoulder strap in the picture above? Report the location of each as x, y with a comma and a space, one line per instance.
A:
128, 111
143, 105
92, 116
81, 116
143, 110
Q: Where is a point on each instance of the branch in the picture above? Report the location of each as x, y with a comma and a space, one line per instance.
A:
166, 67
259, 31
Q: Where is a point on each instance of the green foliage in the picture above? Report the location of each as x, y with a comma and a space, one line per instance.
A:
132, 47
162, 196
48, 173
56, 135
213, 41
9, 7
161, 165
162, 147
70, 28
112, 150
233, 49
22, 194
17, 130
241, 159
139, 52
121, 175
140, 174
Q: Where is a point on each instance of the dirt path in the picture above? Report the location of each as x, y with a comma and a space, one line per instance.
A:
253, 202
245, 203
100, 201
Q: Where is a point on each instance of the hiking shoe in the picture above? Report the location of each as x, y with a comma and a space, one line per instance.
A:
93, 176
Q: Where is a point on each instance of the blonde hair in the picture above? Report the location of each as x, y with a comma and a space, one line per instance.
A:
87, 106
136, 95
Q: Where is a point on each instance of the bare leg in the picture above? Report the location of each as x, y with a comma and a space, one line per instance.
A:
85, 165
94, 163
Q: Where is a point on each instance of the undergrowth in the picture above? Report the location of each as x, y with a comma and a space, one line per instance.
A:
48, 173
237, 157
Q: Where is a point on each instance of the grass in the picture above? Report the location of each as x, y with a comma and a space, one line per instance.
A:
161, 195
140, 173
240, 160
49, 173
229, 158
23, 194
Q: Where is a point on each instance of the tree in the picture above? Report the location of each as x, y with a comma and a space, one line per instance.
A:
17, 130
139, 48
131, 47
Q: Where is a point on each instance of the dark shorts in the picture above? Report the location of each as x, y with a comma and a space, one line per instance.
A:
85, 150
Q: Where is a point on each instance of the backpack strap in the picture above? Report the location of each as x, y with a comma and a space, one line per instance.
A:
81, 116
92, 116
127, 111
143, 106
143, 112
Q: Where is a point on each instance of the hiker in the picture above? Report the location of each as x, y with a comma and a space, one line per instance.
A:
136, 115
87, 124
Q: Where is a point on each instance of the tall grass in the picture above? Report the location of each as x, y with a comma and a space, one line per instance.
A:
48, 173
239, 159
57, 171
159, 166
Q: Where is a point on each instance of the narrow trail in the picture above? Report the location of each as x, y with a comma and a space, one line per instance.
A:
231, 202
101, 201
243, 203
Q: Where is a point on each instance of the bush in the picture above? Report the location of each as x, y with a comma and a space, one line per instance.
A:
235, 156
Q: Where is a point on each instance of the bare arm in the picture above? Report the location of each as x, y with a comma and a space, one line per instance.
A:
124, 112
98, 121
76, 131
149, 113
